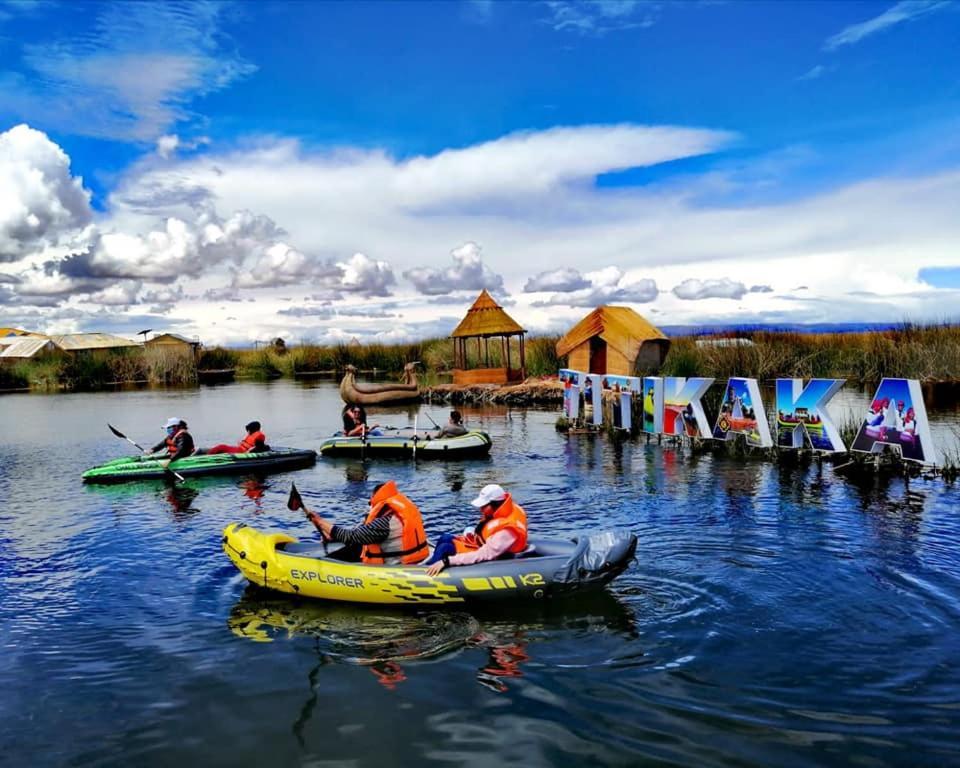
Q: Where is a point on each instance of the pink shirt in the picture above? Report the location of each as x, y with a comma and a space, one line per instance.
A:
494, 547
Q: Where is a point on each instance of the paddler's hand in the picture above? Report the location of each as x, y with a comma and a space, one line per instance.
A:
438, 566
324, 526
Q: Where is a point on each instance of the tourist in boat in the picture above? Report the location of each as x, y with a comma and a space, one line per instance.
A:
391, 534
355, 422
253, 442
502, 530
178, 443
454, 427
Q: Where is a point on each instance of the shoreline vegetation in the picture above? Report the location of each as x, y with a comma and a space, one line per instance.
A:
929, 353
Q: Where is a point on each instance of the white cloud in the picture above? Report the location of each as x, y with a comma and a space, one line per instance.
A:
693, 289
563, 280
598, 17
813, 73
905, 10
606, 286
282, 265
131, 75
468, 273
366, 276
41, 203
122, 293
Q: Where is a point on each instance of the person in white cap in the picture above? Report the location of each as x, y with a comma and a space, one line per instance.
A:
178, 442
502, 530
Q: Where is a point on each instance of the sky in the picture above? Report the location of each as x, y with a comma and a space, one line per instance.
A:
327, 171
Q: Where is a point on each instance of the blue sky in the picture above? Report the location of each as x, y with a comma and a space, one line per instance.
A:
324, 170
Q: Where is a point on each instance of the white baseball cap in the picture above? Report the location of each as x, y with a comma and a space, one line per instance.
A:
489, 493
173, 421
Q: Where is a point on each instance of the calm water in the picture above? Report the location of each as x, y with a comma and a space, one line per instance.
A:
774, 616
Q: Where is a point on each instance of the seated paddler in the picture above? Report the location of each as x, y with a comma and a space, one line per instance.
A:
252, 442
454, 427
502, 531
178, 442
391, 534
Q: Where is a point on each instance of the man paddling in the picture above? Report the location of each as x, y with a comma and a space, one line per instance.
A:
391, 534
178, 443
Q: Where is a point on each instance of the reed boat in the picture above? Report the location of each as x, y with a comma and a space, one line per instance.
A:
407, 390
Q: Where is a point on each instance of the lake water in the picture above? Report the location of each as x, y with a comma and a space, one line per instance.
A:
774, 615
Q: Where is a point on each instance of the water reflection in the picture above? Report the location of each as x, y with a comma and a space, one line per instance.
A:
387, 642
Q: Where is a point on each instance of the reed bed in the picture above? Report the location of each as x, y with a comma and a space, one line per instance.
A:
434, 355
924, 352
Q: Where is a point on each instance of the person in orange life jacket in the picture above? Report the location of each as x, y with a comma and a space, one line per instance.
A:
391, 534
502, 530
253, 442
355, 422
178, 442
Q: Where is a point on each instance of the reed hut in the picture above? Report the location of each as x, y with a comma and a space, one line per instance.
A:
172, 342
486, 320
614, 340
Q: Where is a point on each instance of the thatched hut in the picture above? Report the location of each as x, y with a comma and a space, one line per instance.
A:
486, 320
614, 340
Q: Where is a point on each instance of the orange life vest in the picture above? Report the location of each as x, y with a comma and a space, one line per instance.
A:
509, 517
172, 441
414, 546
250, 441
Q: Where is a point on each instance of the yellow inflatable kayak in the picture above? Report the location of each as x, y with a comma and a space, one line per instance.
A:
549, 568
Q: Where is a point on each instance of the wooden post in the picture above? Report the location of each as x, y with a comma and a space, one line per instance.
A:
505, 353
523, 359
486, 350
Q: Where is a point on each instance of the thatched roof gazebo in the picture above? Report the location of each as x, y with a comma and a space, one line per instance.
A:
485, 320
614, 340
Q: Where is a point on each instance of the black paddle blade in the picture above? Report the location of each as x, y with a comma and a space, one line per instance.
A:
117, 432
294, 502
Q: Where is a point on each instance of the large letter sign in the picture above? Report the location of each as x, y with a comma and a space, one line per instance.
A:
652, 392
802, 416
741, 413
593, 397
898, 418
682, 410
571, 393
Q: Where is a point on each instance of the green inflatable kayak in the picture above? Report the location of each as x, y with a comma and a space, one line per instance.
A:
147, 468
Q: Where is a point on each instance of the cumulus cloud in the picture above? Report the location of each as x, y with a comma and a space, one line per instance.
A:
559, 280
131, 74
41, 203
606, 286
366, 276
905, 10
180, 248
122, 293
467, 273
760, 289
283, 265
693, 289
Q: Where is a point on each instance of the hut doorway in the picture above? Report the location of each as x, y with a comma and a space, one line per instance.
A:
598, 355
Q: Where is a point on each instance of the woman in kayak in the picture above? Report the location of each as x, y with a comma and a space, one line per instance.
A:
355, 422
391, 534
178, 443
502, 530
253, 442
454, 427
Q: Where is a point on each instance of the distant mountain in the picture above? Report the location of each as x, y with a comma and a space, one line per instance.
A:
714, 329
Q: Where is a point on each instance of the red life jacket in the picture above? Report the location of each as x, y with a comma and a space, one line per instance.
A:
250, 441
509, 517
413, 547
172, 441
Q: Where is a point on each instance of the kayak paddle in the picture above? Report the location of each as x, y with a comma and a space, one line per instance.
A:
166, 465
295, 502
